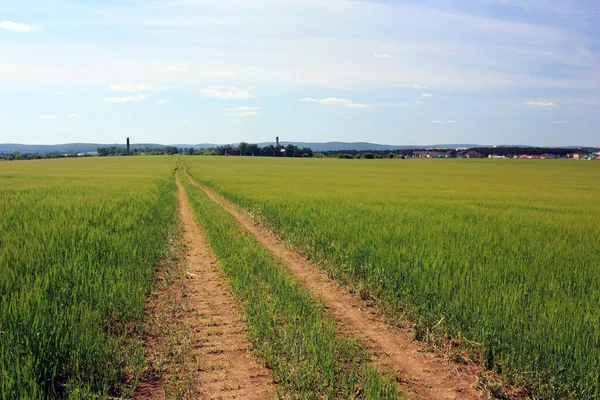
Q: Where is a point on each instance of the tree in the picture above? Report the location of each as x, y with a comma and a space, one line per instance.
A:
290, 149
267, 151
244, 149
253, 150
307, 152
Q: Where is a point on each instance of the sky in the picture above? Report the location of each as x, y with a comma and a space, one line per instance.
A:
493, 72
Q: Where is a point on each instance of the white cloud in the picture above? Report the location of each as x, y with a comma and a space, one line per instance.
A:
437, 121
139, 97
130, 87
420, 86
382, 55
184, 121
335, 101
75, 116
419, 102
163, 101
244, 111
560, 122
540, 103
62, 94
245, 108
47, 117
450, 121
427, 95
227, 92
357, 106
15, 27
241, 114
327, 100
346, 117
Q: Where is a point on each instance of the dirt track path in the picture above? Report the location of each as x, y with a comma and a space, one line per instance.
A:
423, 375
226, 367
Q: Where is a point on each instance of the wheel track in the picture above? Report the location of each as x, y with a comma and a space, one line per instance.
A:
421, 373
226, 367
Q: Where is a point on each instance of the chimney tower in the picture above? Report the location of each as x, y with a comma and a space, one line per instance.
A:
128, 148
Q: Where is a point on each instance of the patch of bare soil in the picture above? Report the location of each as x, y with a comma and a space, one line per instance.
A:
422, 374
223, 363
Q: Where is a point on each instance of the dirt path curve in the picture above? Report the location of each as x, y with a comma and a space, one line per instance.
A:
226, 367
424, 375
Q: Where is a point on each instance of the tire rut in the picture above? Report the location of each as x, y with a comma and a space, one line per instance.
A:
226, 366
422, 374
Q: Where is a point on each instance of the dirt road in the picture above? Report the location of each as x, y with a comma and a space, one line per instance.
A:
226, 368
423, 375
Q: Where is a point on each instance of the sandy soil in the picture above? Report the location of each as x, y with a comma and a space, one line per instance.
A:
226, 368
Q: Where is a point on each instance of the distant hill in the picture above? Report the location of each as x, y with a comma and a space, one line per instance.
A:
92, 147
329, 146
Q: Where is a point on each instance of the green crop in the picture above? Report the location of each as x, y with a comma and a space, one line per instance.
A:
507, 251
79, 242
287, 325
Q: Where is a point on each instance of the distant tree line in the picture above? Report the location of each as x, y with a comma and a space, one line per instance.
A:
534, 151
250, 149
122, 151
243, 149
15, 155
370, 154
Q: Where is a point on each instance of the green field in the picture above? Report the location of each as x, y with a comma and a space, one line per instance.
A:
506, 251
79, 242
502, 255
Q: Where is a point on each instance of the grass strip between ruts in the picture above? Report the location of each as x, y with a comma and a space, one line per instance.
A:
286, 324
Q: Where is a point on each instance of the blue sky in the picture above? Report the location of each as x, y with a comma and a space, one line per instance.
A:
395, 72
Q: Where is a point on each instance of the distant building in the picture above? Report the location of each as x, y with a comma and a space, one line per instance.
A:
427, 154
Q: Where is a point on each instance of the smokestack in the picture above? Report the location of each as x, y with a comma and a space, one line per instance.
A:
277, 140
128, 148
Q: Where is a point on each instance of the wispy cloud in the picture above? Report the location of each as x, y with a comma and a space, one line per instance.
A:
77, 116
540, 103
184, 121
131, 87
47, 117
163, 101
227, 92
244, 111
584, 51
346, 117
62, 94
15, 27
124, 99
450, 121
244, 108
383, 55
420, 86
560, 122
335, 101
427, 95
357, 106
241, 114
419, 102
